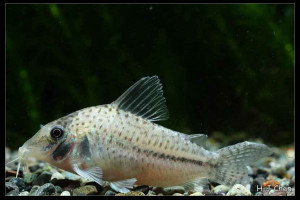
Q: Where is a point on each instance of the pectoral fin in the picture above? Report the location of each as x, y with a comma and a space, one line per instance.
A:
121, 186
94, 173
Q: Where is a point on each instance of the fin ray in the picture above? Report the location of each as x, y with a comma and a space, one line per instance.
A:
231, 163
197, 185
199, 139
121, 186
145, 99
94, 173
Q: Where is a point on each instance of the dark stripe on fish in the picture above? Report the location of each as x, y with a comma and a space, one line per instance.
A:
163, 156
180, 159
61, 151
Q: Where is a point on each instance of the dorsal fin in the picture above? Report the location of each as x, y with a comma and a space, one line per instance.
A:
145, 99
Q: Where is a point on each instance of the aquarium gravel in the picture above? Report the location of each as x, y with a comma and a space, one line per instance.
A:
271, 176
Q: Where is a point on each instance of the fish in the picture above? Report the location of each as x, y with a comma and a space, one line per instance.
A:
120, 143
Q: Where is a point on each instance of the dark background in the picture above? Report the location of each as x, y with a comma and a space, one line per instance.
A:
226, 69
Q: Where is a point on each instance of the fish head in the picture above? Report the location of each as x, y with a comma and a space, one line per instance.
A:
52, 143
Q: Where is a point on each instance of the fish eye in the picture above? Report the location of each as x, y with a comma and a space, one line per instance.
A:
56, 132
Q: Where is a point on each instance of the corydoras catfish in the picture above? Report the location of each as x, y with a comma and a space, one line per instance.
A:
120, 144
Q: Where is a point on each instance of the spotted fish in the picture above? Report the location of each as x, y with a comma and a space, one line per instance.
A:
120, 143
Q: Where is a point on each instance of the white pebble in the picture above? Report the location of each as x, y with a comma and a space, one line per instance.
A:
25, 193
197, 194
221, 188
177, 194
238, 190
65, 193
57, 176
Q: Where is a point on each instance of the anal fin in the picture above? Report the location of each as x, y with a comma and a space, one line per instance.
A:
197, 185
121, 186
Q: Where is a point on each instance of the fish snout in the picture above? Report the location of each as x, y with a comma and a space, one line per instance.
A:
23, 150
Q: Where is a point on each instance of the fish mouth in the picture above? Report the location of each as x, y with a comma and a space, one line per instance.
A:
24, 151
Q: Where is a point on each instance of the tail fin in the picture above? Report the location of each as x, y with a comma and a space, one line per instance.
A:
231, 163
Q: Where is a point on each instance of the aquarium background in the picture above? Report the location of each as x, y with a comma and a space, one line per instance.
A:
227, 70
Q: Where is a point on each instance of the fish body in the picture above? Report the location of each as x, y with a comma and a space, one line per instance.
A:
126, 146
121, 144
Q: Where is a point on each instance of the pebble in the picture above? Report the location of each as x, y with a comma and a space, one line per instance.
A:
197, 194
8, 178
173, 189
71, 176
47, 168
221, 189
18, 182
268, 192
110, 193
177, 194
65, 193
158, 190
70, 188
30, 177
28, 188
58, 189
65, 179
292, 183
279, 193
9, 186
259, 194
151, 193
57, 176
25, 193
278, 169
238, 190
131, 193
291, 193
291, 172
290, 164
98, 187
43, 178
262, 172
143, 188
104, 190
33, 168
257, 183
207, 192
33, 190
85, 190
13, 193
272, 183
44, 190
284, 182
